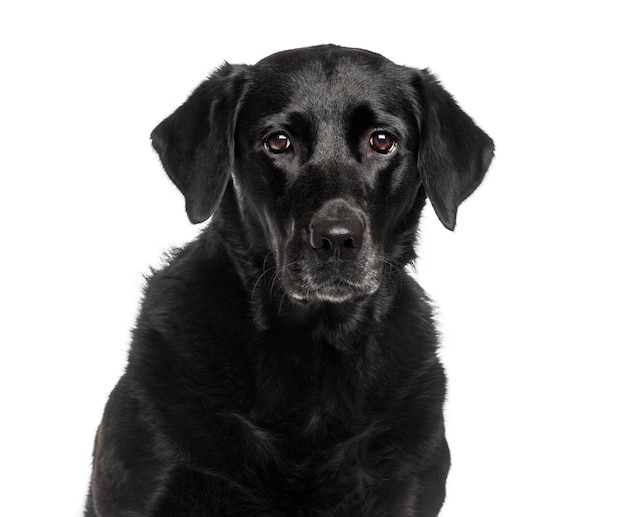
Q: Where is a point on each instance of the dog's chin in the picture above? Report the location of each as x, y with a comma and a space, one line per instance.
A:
338, 292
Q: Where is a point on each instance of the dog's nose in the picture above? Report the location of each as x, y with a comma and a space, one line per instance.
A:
341, 238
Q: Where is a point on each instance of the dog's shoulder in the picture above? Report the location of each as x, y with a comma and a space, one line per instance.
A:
193, 304
192, 327
196, 280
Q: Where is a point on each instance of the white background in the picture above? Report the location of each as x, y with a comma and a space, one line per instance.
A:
530, 287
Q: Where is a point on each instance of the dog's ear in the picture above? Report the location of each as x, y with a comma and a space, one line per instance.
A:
195, 143
454, 153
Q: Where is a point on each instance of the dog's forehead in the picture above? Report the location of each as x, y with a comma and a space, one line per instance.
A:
324, 79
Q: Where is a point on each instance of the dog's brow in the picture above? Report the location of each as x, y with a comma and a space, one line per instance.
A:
297, 123
300, 123
364, 117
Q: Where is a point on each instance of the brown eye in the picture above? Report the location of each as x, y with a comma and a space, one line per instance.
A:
278, 143
382, 142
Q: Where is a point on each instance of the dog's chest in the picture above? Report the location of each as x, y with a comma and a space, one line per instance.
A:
281, 474
309, 443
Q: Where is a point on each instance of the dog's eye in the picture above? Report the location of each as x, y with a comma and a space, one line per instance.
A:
382, 142
278, 143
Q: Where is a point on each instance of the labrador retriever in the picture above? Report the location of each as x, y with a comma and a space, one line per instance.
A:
284, 363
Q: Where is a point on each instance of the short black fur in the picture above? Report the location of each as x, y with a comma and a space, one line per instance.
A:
284, 363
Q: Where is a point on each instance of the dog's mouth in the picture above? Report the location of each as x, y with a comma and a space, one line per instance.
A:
335, 291
308, 278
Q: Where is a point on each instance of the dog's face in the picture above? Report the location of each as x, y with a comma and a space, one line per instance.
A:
327, 149
325, 155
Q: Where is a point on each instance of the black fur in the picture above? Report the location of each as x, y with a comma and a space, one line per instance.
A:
272, 373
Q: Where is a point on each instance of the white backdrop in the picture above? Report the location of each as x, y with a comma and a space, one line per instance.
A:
530, 287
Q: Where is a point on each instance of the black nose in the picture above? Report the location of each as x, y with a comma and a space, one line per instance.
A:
337, 237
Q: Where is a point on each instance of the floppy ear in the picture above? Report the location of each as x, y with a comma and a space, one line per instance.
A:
195, 143
454, 153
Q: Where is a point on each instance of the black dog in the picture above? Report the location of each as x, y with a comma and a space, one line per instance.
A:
284, 363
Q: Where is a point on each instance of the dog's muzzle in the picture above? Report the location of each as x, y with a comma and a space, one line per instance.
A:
336, 261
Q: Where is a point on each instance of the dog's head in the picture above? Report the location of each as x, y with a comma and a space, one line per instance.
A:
327, 150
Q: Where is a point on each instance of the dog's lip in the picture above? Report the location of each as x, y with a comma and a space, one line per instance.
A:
337, 291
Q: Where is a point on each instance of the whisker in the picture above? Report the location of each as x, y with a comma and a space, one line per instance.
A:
265, 270
280, 304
